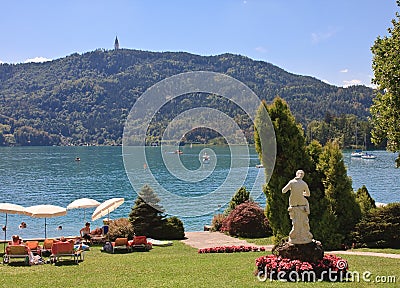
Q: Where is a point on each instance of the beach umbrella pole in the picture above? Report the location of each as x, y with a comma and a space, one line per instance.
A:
5, 235
45, 228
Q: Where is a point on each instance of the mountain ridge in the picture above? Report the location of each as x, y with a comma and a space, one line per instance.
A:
85, 98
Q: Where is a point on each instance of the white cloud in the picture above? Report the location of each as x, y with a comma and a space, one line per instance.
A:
37, 60
261, 49
344, 70
347, 83
317, 37
326, 81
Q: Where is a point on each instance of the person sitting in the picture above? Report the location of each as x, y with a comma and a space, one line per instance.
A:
106, 222
85, 232
97, 232
15, 240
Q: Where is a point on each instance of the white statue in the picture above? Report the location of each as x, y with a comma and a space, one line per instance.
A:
299, 209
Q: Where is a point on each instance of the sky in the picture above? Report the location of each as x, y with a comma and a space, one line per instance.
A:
328, 40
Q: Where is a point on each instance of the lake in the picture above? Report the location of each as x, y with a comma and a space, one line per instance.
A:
50, 175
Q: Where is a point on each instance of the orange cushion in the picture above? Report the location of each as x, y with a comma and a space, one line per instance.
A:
121, 242
137, 240
62, 248
32, 244
48, 243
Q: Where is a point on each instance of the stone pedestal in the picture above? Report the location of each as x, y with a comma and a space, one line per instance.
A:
310, 252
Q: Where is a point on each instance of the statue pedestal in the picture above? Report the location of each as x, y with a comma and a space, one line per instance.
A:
309, 252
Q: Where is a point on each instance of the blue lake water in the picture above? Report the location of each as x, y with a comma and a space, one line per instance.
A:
50, 175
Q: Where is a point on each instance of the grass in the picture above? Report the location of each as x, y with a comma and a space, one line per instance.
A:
175, 266
261, 241
378, 250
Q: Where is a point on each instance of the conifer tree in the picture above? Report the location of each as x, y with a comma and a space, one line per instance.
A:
323, 222
241, 196
365, 200
338, 189
291, 156
146, 215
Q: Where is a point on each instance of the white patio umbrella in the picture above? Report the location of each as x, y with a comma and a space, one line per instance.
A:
45, 211
9, 208
106, 207
83, 203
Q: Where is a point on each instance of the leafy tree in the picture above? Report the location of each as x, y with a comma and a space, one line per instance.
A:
386, 104
364, 200
338, 189
291, 156
241, 196
146, 215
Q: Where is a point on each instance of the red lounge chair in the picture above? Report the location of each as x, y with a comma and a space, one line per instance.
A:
140, 242
65, 249
34, 246
121, 244
16, 251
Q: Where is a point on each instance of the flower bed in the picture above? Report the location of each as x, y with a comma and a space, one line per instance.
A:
231, 249
330, 268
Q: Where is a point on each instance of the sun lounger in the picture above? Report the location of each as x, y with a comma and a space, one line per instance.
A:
140, 243
121, 244
16, 251
65, 249
34, 247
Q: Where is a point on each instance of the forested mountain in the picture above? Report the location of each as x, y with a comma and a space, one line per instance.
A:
85, 99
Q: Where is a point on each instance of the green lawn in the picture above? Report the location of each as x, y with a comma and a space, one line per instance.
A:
175, 266
380, 250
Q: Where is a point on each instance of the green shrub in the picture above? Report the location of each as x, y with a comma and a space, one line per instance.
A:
247, 220
217, 221
120, 228
173, 229
379, 228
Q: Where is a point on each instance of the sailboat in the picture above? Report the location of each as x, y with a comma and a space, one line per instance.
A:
366, 154
358, 152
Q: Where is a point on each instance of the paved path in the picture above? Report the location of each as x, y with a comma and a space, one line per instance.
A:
208, 239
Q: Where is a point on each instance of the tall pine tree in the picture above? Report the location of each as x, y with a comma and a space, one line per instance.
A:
365, 200
291, 156
146, 215
338, 189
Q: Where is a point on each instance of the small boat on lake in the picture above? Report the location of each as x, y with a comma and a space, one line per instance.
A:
206, 158
357, 153
259, 166
368, 156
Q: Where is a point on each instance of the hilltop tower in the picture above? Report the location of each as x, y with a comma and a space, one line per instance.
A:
116, 43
